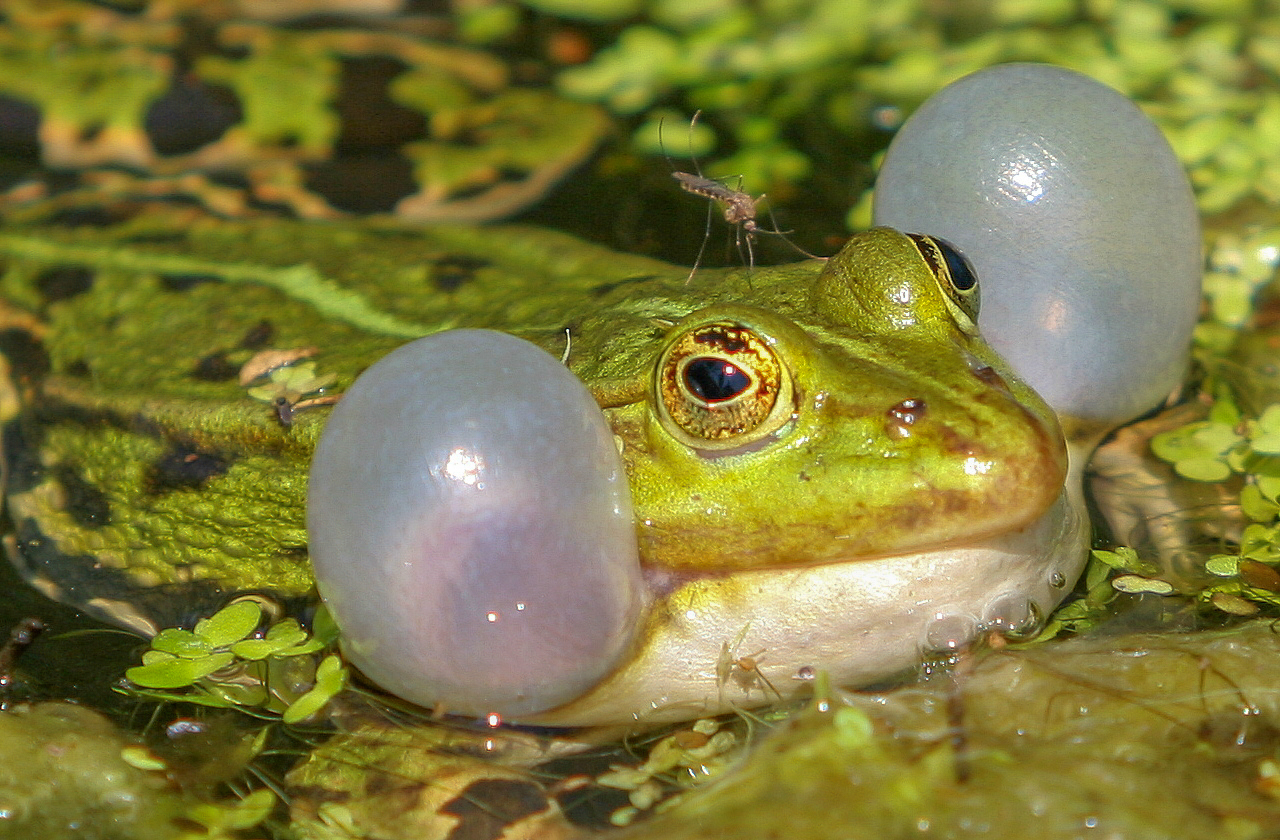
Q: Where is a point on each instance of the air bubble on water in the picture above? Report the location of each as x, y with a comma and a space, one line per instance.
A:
949, 632
1014, 616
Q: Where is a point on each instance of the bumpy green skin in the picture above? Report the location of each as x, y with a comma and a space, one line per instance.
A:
427, 130
146, 493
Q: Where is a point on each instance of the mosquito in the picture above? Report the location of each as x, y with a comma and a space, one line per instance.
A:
740, 208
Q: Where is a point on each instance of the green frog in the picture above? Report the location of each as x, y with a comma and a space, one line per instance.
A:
144, 461
158, 429
885, 486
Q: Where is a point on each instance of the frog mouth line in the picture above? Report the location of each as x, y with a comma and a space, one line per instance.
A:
661, 581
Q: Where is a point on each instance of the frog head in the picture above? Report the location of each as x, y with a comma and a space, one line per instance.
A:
868, 411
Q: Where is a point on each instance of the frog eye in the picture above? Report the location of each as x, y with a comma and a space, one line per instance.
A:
722, 385
955, 275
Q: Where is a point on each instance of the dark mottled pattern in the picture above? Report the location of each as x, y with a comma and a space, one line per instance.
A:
487, 807
215, 367
82, 578
22, 455
86, 504
184, 469
186, 282
190, 114
96, 216
258, 336
452, 272
154, 238
64, 282
28, 360
19, 127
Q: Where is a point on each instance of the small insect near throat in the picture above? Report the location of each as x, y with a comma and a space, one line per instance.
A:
740, 208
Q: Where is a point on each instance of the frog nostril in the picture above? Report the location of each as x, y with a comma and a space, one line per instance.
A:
901, 417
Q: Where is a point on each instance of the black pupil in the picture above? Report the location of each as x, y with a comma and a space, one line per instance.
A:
715, 380
963, 276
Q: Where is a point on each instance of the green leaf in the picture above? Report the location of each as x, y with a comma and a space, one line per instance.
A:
1121, 558
1224, 411
177, 673
183, 643
230, 624
323, 628
1258, 542
1223, 565
1139, 585
1232, 604
1198, 451
238, 694
219, 818
1255, 504
331, 678
136, 755
1124, 559
254, 649
1268, 483
1203, 469
283, 639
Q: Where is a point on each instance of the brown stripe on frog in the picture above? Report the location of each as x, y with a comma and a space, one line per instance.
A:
486, 808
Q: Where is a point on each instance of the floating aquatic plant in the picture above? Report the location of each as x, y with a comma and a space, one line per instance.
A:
226, 662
